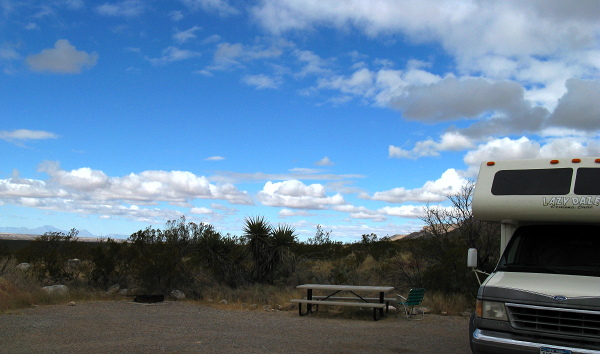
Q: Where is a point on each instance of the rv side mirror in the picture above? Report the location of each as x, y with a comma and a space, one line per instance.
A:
472, 258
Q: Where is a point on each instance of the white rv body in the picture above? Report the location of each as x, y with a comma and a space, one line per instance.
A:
544, 295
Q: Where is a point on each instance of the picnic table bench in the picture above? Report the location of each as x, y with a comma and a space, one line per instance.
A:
378, 304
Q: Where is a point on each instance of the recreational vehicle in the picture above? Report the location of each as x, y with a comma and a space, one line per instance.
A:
544, 295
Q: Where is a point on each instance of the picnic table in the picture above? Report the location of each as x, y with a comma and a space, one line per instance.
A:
378, 304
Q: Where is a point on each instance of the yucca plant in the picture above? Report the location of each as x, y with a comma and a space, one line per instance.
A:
269, 247
257, 232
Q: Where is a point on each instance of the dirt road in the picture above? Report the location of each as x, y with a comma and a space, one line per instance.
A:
184, 327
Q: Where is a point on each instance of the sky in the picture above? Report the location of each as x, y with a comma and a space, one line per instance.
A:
353, 115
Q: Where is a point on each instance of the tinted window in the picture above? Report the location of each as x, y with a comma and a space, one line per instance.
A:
552, 181
588, 181
566, 249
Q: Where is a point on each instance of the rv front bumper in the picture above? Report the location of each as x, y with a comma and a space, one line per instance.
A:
485, 341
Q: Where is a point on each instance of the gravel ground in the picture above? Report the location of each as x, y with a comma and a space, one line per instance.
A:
184, 327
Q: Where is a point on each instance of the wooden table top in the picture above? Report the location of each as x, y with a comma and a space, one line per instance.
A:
346, 287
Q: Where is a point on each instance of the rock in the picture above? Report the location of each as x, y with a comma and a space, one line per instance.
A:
223, 302
178, 295
74, 263
56, 290
72, 303
113, 289
267, 307
23, 266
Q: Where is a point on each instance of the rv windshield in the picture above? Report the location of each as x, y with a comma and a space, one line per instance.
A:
562, 249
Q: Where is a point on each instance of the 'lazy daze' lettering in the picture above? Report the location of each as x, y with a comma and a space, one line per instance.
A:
586, 202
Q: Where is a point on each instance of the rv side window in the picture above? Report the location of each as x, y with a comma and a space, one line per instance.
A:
551, 181
586, 182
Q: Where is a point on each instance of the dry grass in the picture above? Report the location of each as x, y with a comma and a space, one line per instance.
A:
454, 304
19, 289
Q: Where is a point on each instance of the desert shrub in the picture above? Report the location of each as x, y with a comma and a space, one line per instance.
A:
109, 263
49, 254
224, 257
157, 259
6, 257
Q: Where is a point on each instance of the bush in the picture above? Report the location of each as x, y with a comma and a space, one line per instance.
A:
49, 255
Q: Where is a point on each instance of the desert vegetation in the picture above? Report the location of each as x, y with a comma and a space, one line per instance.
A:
261, 266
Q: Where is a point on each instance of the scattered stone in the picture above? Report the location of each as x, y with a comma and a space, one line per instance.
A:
223, 302
56, 290
23, 266
210, 300
178, 295
113, 289
267, 308
72, 303
444, 313
124, 292
74, 263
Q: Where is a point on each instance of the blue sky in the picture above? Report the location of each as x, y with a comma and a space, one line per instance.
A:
119, 115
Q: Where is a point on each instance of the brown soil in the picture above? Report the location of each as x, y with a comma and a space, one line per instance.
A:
185, 327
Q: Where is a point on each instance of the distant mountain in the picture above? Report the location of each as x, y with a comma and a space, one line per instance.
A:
49, 228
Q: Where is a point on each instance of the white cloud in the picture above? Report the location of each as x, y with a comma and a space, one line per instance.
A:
360, 212
201, 210
504, 148
214, 158
183, 36
464, 28
62, 59
172, 54
449, 141
262, 81
405, 211
432, 191
312, 64
527, 50
234, 55
221, 7
360, 83
525, 148
325, 161
289, 213
579, 108
82, 179
87, 191
126, 8
176, 16
296, 195
8, 53
26, 134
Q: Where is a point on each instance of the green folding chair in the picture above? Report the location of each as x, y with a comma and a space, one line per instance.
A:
411, 302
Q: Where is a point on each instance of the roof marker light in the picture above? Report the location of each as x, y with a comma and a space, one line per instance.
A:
597, 161
492, 163
554, 162
576, 160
